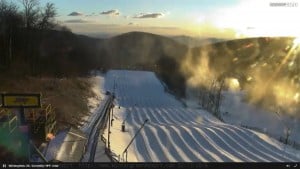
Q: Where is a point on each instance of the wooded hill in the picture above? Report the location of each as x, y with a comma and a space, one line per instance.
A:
62, 53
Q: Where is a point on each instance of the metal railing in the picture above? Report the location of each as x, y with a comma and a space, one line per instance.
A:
95, 130
8, 120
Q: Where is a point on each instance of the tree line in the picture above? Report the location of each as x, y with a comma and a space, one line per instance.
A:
30, 16
22, 24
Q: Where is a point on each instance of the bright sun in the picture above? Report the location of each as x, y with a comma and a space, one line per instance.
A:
296, 41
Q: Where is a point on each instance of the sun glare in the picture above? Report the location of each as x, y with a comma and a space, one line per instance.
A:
234, 84
296, 41
297, 97
200, 19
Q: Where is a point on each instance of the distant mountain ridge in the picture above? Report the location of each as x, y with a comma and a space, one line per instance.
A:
141, 48
196, 42
64, 53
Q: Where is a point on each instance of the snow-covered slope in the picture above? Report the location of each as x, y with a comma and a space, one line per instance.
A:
240, 112
178, 134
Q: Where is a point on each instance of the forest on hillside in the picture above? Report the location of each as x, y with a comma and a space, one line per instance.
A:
33, 44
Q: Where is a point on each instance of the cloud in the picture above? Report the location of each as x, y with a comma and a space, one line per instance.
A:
76, 14
149, 15
113, 12
76, 21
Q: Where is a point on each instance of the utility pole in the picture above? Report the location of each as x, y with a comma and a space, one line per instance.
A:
125, 150
108, 136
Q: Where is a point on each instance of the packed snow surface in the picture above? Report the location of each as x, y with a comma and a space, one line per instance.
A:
178, 134
240, 112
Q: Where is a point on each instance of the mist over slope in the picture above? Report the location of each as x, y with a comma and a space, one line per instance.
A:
267, 68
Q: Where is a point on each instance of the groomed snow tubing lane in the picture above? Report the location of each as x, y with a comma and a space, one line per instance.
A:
177, 134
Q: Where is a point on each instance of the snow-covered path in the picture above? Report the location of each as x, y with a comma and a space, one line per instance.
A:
178, 134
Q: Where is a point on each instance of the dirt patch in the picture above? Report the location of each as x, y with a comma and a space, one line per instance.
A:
68, 96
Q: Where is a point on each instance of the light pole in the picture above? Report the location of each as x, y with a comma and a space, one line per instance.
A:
112, 115
108, 133
109, 124
125, 150
123, 123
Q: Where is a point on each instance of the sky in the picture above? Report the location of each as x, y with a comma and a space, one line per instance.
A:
199, 18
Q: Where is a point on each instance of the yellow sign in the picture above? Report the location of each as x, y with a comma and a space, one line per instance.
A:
21, 100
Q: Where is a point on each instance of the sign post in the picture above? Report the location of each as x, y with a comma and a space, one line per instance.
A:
22, 101
14, 100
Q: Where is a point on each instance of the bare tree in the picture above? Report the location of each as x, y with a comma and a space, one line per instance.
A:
31, 12
10, 20
210, 97
287, 126
218, 99
47, 17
